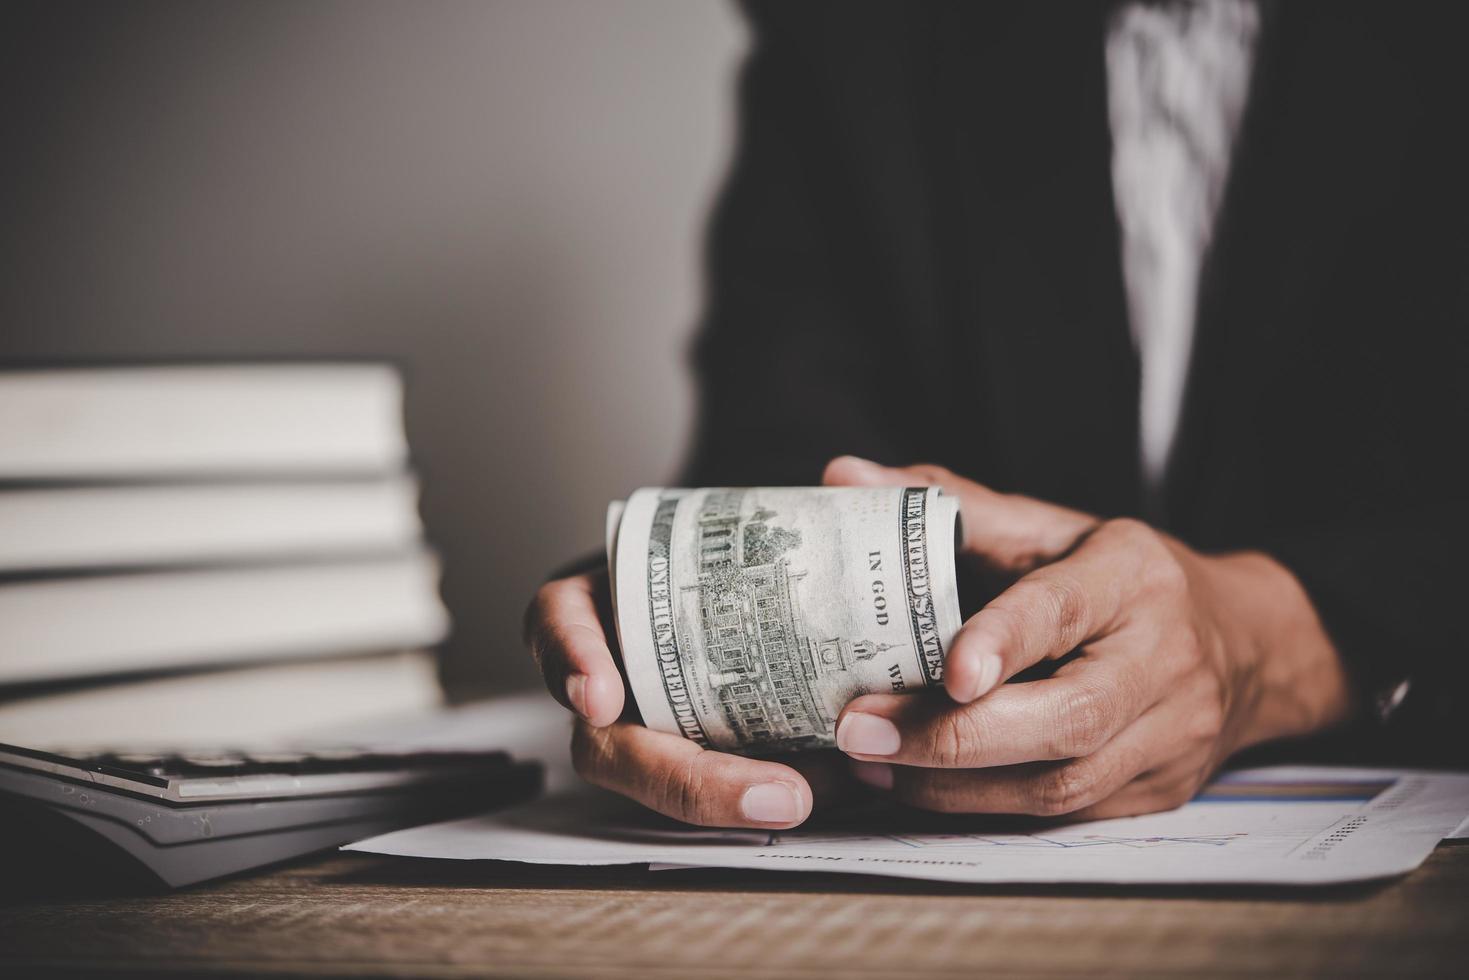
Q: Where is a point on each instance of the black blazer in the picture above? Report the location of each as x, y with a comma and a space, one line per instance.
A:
916, 258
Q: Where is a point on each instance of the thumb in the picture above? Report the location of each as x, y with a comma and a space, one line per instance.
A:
1006, 531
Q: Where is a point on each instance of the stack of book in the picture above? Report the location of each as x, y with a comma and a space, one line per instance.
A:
209, 554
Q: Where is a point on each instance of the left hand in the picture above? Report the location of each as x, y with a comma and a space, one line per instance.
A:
1182, 659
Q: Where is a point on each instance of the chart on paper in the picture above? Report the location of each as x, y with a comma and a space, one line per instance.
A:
1283, 825
1008, 841
1316, 797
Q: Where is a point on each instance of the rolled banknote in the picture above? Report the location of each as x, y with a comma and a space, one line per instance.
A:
748, 617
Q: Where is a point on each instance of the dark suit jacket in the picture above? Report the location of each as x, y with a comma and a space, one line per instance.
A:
916, 258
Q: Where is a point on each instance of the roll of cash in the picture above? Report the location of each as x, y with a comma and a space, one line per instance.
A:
748, 617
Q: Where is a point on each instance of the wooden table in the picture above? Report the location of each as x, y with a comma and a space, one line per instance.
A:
369, 915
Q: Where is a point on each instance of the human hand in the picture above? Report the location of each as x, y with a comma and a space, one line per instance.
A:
567, 629
1181, 660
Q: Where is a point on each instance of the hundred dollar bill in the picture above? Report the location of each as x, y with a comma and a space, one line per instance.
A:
748, 617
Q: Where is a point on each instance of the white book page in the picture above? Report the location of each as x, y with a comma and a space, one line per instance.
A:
197, 420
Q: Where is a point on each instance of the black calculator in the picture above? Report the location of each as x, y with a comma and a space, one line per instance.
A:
188, 817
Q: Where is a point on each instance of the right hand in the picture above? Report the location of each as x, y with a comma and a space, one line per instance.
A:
567, 632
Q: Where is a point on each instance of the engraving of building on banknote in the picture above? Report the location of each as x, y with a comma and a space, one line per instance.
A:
762, 665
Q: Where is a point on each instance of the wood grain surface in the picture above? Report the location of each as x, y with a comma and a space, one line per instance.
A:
365, 915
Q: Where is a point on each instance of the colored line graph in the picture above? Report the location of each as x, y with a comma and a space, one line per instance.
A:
1243, 789
1039, 841
1067, 843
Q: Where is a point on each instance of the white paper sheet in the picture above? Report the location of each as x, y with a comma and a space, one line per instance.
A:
1281, 825
1461, 832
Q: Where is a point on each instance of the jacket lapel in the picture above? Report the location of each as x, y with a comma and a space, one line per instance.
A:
1288, 211
1043, 306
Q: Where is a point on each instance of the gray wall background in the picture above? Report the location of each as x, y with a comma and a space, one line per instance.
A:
506, 197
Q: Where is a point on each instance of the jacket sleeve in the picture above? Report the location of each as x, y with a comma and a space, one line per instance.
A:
1391, 595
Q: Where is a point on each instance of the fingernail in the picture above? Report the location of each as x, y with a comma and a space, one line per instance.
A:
771, 803
576, 693
863, 468
865, 734
988, 673
985, 671
878, 775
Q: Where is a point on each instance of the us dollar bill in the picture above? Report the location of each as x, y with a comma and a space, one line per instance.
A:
748, 617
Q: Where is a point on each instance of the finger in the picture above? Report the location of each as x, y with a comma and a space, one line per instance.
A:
1008, 532
1045, 789
1162, 789
677, 778
568, 641
1048, 613
1070, 715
